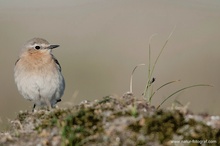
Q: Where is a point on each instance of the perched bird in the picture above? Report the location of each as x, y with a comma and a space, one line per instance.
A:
38, 74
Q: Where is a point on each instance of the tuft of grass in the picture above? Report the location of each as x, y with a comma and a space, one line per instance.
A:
148, 91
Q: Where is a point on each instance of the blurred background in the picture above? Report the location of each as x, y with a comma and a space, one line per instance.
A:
101, 41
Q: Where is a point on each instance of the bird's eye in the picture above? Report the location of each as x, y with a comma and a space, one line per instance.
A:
37, 47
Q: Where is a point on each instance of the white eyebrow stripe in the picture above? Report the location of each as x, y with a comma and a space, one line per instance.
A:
42, 45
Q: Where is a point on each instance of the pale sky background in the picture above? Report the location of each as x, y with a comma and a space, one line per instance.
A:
101, 41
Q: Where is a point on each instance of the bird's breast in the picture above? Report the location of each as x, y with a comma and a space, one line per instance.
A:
36, 62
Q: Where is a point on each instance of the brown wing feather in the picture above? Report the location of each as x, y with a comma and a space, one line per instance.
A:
17, 61
57, 63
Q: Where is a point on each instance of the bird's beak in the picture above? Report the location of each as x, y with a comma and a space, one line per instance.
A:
52, 46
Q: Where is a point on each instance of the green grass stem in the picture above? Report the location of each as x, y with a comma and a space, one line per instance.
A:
147, 93
180, 91
161, 87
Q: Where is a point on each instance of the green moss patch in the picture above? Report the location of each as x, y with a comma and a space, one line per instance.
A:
110, 121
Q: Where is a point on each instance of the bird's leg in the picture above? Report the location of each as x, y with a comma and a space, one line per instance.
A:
48, 104
54, 105
33, 107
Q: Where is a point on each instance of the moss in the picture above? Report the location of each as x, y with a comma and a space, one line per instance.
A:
110, 121
163, 126
200, 131
80, 125
160, 126
22, 115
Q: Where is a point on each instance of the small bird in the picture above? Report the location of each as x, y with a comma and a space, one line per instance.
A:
38, 74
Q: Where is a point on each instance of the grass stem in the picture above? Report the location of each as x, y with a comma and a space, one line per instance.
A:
180, 91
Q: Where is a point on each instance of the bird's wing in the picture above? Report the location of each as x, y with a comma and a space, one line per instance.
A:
57, 63
17, 61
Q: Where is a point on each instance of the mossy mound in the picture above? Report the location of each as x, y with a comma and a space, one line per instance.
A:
110, 121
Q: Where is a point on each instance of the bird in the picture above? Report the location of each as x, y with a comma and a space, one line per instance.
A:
37, 74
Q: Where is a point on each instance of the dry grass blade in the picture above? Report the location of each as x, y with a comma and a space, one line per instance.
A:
132, 74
